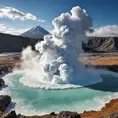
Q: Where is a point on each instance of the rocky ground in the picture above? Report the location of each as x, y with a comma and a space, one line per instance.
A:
8, 61
99, 59
107, 61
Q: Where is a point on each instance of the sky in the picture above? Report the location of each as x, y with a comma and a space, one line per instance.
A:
17, 16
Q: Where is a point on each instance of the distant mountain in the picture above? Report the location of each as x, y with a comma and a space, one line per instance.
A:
35, 32
11, 43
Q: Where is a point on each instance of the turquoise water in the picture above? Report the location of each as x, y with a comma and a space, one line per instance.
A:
32, 101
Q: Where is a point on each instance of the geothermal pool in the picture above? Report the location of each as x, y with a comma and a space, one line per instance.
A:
32, 101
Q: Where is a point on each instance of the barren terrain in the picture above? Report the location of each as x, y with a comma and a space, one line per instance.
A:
94, 59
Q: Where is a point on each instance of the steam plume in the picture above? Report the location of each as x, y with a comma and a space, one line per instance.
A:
57, 62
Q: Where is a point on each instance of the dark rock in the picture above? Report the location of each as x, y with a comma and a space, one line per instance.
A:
52, 113
1, 113
1, 82
11, 114
20, 116
68, 114
85, 112
5, 100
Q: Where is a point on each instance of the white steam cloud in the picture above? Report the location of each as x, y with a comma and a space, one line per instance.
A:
56, 65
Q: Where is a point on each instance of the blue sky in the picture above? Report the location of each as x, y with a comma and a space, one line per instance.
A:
103, 12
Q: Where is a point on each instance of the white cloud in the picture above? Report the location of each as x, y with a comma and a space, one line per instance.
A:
2, 27
42, 21
13, 31
109, 30
12, 13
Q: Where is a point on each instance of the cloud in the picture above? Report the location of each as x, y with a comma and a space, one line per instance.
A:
13, 31
109, 30
2, 27
12, 13
40, 20
16, 31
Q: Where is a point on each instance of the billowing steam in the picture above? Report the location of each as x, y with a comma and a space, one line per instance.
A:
56, 65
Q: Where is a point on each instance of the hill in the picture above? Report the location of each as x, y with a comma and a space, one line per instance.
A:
101, 44
11, 43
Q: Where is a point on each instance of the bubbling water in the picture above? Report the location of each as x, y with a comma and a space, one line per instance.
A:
56, 65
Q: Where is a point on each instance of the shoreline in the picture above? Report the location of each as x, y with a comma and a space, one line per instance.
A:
110, 110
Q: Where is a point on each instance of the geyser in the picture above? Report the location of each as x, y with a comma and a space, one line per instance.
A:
56, 65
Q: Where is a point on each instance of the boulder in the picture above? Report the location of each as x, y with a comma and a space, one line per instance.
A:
52, 113
5, 100
1, 113
11, 114
1, 82
20, 116
68, 114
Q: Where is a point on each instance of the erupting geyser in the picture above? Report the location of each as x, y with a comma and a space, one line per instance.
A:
57, 65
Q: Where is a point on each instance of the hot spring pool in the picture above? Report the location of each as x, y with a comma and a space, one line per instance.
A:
32, 101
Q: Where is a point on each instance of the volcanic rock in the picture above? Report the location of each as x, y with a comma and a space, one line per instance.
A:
68, 114
52, 113
1, 82
11, 114
5, 100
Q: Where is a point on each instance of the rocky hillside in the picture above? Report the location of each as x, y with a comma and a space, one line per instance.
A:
11, 43
101, 44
